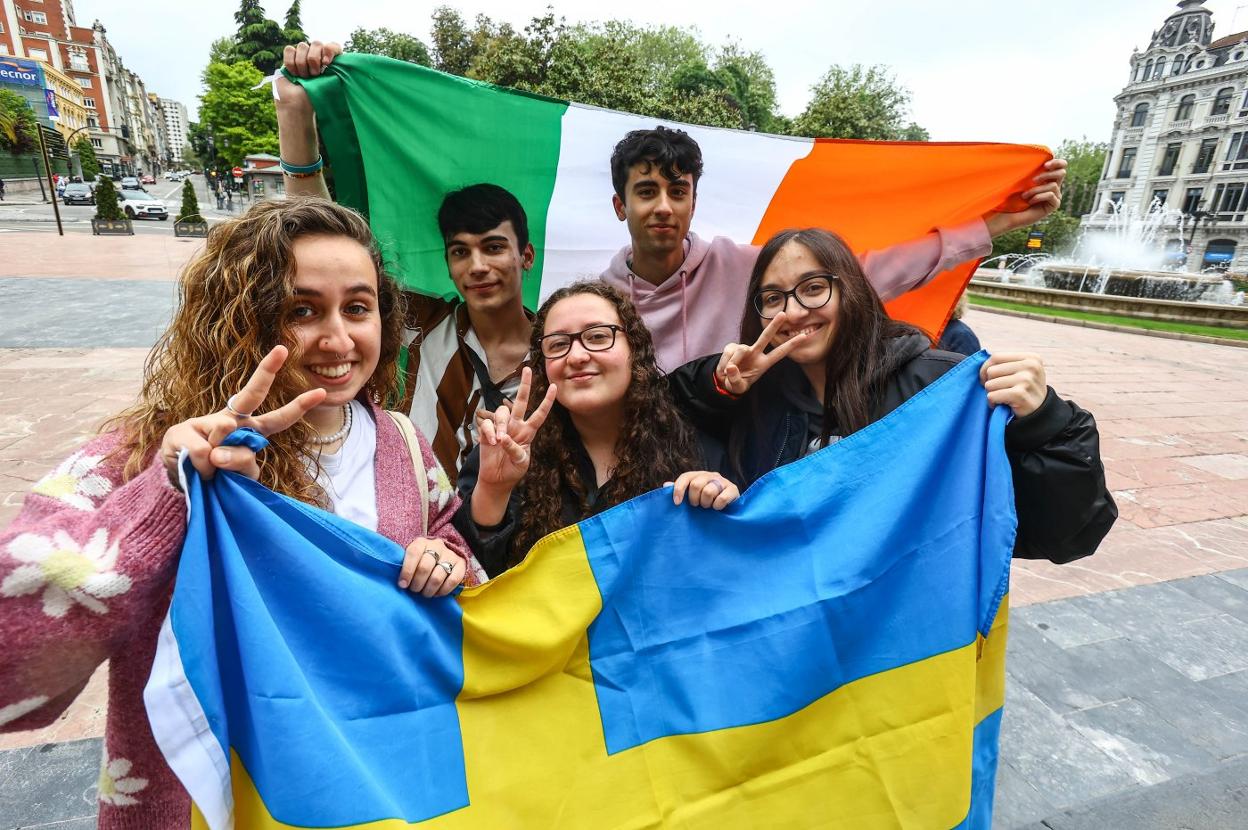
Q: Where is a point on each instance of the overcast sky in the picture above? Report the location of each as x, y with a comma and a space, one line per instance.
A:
978, 70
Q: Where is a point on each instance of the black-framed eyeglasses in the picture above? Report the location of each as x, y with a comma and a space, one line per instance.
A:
810, 292
594, 339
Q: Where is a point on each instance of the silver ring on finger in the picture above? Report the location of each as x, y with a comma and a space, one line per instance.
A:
229, 407
434, 554
446, 566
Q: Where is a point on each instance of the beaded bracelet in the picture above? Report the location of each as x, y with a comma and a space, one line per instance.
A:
302, 171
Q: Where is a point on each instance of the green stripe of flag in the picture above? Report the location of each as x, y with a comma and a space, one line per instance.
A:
400, 136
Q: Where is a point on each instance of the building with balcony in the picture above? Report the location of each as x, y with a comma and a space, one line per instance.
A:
1180, 140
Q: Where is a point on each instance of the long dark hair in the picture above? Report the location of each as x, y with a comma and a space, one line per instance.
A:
858, 363
234, 302
655, 443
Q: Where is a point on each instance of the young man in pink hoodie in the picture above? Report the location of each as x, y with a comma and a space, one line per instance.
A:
691, 291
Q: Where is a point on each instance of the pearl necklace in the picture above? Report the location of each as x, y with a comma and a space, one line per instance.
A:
340, 434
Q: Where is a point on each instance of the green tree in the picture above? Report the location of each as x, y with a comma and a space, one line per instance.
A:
190, 204
242, 119
455, 46
222, 50
18, 125
292, 29
858, 102
86, 157
1060, 231
1086, 159
106, 206
749, 80
392, 44
259, 40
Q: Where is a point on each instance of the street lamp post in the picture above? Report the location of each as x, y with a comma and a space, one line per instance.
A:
1196, 216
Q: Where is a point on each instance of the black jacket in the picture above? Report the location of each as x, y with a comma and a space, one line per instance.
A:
1064, 508
494, 547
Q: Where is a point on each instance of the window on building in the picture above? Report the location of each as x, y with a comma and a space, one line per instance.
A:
1148, 70
1191, 202
1177, 69
38, 54
85, 83
1219, 253
1238, 56
1231, 198
36, 17
1204, 158
1127, 163
97, 144
1115, 201
78, 61
1237, 152
92, 122
1186, 104
1140, 115
1200, 64
89, 103
1160, 70
1159, 198
1170, 159
1222, 102
4, 48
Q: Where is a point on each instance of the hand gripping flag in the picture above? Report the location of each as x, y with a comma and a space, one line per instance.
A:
400, 137
827, 652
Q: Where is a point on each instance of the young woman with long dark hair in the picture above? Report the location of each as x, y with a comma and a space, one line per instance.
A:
286, 323
605, 431
820, 359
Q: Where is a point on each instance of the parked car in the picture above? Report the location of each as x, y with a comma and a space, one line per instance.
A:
148, 178
78, 193
131, 183
139, 204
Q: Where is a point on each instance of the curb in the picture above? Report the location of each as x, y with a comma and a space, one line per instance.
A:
1091, 324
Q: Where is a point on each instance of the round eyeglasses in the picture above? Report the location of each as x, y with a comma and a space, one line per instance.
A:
810, 292
594, 339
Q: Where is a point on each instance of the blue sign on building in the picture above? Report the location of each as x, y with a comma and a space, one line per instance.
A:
20, 72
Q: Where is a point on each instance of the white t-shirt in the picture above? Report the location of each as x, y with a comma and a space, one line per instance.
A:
348, 476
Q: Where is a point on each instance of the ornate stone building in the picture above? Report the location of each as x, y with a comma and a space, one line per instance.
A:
1180, 140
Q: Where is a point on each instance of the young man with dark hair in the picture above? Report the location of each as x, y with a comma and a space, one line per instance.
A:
690, 291
463, 353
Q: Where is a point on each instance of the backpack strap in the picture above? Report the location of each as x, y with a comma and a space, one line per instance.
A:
418, 465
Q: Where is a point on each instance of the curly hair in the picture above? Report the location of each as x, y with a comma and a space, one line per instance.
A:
234, 303
655, 445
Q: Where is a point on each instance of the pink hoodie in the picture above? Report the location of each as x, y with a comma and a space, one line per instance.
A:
697, 310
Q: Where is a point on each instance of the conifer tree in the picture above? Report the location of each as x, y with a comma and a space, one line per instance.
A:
293, 29
106, 206
259, 40
190, 204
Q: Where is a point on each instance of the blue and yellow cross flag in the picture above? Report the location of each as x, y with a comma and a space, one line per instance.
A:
827, 652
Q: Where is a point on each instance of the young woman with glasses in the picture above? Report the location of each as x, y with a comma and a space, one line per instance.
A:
606, 430
821, 359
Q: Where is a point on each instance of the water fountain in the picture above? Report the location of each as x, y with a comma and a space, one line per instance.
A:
1123, 256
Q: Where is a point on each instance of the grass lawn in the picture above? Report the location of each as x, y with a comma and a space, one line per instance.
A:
1114, 319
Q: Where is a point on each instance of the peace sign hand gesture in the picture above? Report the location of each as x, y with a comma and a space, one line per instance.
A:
202, 436
506, 435
740, 366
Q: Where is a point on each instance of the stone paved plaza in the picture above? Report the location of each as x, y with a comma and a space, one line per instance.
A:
1127, 700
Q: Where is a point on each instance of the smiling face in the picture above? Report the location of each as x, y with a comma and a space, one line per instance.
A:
336, 315
658, 211
590, 383
488, 267
792, 263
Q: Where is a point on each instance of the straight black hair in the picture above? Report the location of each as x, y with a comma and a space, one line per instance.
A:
478, 208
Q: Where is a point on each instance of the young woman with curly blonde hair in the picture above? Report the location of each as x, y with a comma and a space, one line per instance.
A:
606, 431
287, 324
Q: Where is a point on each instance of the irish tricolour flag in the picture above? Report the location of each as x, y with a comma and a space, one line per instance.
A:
400, 136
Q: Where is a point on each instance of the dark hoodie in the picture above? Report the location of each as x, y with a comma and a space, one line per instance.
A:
1064, 508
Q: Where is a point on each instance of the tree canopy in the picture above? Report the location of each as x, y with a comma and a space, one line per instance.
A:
258, 40
242, 119
18, 125
858, 102
392, 44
